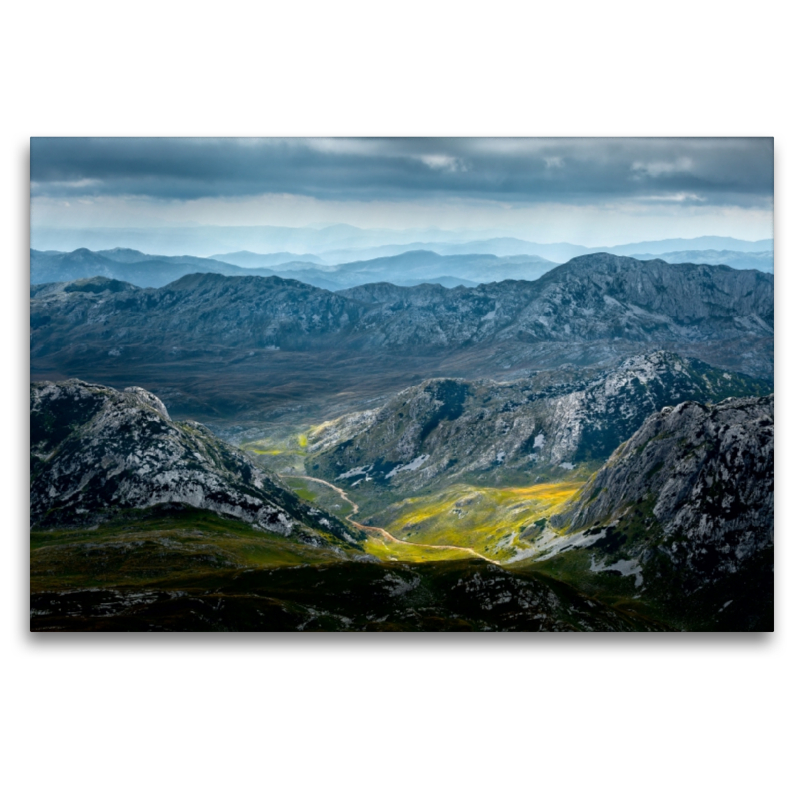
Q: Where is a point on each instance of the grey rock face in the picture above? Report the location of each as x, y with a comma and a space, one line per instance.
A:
691, 493
445, 429
95, 451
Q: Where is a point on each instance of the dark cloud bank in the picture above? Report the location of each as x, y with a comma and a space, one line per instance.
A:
728, 171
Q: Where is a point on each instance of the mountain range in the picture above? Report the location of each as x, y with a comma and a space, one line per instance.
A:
255, 334
336, 244
126, 265
591, 297
406, 269
590, 449
450, 265
556, 252
140, 522
250, 260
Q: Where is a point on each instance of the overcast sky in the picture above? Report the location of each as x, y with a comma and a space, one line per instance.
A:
587, 191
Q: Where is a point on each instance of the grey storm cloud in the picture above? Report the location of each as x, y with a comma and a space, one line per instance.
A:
726, 171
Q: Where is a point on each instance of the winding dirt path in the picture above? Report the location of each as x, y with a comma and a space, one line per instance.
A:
384, 532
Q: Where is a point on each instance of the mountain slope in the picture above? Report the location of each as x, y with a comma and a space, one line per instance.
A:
96, 451
447, 430
695, 301
685, 507
199, 310
450, 596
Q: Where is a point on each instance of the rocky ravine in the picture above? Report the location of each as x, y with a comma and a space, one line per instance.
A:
95, 451
447, 429
685, 502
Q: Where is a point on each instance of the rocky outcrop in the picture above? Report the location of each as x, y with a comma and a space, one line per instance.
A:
448, 429
96, 451
687, 499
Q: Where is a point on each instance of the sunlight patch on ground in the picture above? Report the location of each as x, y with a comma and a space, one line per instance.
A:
387, 550
485, 519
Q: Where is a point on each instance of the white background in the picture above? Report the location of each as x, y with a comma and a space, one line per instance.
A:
593, 716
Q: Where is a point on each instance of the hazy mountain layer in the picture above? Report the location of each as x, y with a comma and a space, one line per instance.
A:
557, 252
764, 261
129, 266
406, 269
698, 243
244, 258
421, 265
341, 243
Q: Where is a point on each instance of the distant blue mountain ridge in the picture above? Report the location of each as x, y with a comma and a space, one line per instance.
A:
339, 244
408, 267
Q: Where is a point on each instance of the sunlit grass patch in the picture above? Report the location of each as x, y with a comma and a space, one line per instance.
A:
387, 550
485, 519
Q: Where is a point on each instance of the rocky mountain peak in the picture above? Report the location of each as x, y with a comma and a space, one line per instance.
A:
689, 497
96, 451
